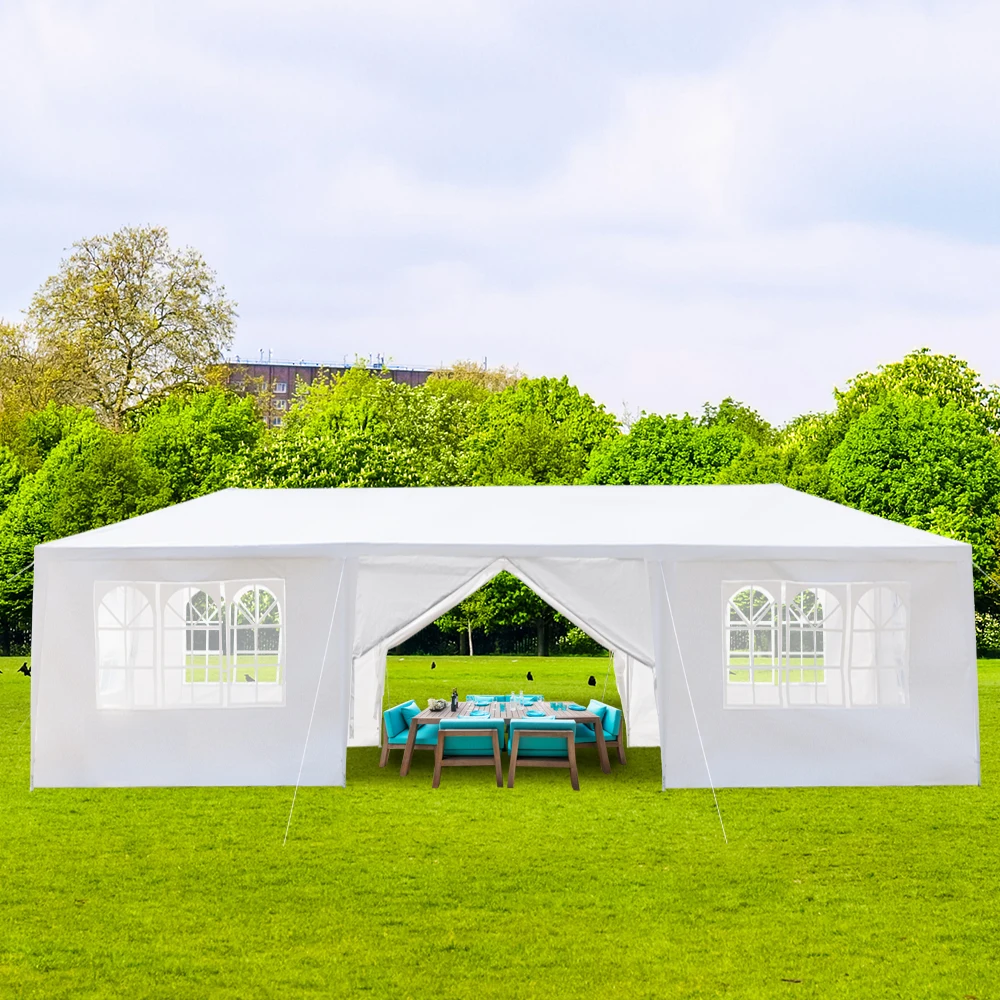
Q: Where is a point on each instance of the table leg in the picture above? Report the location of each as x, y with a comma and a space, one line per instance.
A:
408, 752
602, 748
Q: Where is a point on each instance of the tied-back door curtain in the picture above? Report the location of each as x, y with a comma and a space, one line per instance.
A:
399, 595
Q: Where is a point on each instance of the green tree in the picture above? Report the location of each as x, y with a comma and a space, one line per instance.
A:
539, 430
667, 450
942, 378
11, 473
732, 413
39, 432
127, 319
930, 466
90, 478
195, 438
504, 603
363, 429
796, 456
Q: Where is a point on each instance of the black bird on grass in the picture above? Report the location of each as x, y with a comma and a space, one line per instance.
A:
433, 665
24, 669
530, 678
248, 678
592, 681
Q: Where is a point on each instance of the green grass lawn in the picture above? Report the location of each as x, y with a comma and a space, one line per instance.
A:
390, 889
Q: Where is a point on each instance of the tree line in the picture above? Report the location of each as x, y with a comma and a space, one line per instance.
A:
113, 404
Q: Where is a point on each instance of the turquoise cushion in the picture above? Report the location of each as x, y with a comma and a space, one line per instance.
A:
598, 708
426, 736
529, 698
410, 711
394, 722
541, 746
585, 733
612, 722
471, 746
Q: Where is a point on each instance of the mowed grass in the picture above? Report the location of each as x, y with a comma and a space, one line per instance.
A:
390, 889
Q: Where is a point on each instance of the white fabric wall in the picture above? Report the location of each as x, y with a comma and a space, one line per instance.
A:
637, 688
934, 739
76, 745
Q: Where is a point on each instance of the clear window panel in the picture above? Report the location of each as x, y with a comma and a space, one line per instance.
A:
112, 688
891, 687
111, 648
864, 687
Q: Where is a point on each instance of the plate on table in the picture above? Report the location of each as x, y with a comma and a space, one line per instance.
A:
574, 707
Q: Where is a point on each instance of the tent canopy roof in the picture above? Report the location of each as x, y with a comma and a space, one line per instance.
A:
504, 519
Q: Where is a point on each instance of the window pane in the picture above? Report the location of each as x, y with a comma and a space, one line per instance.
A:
112, 689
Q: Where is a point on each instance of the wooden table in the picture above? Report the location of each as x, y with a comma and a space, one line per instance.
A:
504, 710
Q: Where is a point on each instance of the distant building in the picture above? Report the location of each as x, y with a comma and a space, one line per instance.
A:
279, 378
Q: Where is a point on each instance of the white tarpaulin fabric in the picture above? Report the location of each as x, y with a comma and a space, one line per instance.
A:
774, 637
637, 689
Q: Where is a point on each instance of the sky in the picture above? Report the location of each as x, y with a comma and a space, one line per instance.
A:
669, 202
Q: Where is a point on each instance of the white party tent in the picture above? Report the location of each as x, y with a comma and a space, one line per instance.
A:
760, 635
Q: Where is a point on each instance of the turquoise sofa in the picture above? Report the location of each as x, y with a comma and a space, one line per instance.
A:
396, 731
611, 724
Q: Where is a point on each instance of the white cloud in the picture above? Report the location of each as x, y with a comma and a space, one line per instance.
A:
666, 219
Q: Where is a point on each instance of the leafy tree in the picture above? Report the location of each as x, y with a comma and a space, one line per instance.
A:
667, 450
942, 378
128, 319
362, 429
930, 466
504, 603
195, 438
475, 613
732, 413
795, 456
91, 478
39, 432
539, 430
470, 373
11, 473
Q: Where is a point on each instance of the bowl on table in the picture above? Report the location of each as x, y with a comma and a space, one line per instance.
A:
437, 704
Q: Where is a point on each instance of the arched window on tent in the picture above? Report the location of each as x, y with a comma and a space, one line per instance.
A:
879, 648
194, 663
752, 667
812, 643
126, 650
256, 647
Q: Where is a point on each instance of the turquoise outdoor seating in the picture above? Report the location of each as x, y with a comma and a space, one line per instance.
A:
396, 730
467, 742
543, 743
611, 724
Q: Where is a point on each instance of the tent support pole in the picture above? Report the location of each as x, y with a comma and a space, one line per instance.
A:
312, 714
687, 684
